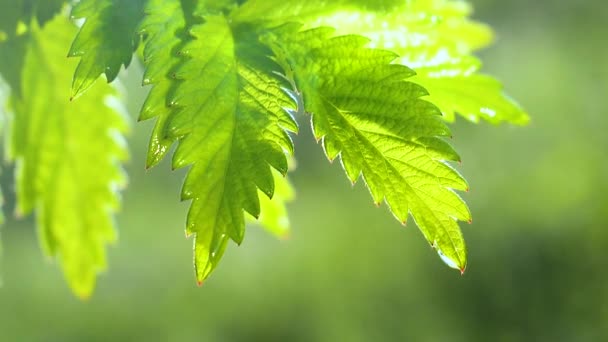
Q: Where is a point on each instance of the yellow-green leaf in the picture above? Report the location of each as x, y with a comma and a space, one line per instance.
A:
366, 114
436, 39
225, 105
67, 157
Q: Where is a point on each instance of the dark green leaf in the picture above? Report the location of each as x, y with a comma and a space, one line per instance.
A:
106, 40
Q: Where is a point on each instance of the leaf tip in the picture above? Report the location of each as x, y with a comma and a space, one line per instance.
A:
83, 296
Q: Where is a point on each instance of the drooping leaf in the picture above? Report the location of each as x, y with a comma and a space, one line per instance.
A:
67, 157
164, 28
436, 38
160, 63
225, 105
106, 40
368, 115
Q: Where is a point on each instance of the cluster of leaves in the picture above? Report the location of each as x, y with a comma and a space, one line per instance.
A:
379, 80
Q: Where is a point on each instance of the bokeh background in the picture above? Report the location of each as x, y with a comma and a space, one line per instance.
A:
538, 268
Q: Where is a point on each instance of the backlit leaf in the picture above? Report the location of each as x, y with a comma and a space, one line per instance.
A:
67, 157
366, 114
436, 39
225, 105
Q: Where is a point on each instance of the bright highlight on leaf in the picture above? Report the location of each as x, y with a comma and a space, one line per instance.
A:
436, 39
68, 158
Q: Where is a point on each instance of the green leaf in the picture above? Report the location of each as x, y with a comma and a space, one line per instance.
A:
164, 29
455, 87
366, 113
225, 105
106, 40
273, 11
436, 39
67, 157
268, 12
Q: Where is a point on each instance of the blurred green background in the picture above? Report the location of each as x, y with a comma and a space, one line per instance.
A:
538, 269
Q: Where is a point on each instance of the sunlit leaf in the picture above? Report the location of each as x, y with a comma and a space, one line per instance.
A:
456, 87
67, 157
232, 128
273, 11
436, 39
225, 79
366, 114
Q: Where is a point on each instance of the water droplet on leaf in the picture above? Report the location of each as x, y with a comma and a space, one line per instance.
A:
447, 260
